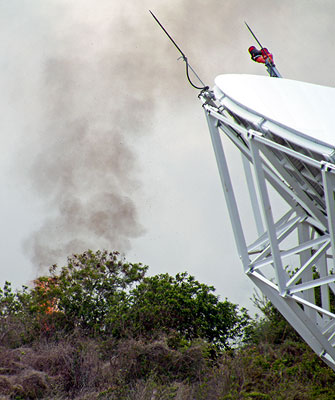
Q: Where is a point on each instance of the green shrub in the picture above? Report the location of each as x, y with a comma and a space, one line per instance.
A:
102, 294
183, 305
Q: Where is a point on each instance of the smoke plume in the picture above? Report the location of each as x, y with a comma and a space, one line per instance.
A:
85, 166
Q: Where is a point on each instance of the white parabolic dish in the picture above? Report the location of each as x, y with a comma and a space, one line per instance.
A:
304, 107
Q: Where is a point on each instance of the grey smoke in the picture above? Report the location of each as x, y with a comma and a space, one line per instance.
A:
85, 168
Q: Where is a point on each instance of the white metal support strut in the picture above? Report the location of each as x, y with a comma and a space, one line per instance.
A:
291, 258
228, 190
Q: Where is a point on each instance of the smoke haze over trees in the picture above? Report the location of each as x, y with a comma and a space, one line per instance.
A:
105, 134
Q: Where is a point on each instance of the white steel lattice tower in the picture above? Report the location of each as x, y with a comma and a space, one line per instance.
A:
283, 129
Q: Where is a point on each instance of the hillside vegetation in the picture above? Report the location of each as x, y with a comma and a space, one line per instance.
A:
100, 328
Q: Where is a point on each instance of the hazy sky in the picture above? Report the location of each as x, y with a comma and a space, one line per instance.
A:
105, 145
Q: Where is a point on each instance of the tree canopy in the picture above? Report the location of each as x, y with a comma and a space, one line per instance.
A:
101, 293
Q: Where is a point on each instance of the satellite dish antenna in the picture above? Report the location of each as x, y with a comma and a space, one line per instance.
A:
286, 141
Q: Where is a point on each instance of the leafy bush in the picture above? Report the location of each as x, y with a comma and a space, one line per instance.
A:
90, 287
182, 304
17, 322
101, 293
272, 327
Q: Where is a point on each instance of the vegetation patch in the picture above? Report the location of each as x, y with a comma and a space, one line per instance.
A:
100, 328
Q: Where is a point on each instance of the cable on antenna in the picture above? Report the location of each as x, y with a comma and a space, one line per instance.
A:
183, 57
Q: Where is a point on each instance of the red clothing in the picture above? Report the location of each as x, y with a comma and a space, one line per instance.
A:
260, 56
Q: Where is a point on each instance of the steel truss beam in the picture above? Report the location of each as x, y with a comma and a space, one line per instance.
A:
291, 260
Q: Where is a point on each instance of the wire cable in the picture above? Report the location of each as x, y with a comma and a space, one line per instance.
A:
183, 57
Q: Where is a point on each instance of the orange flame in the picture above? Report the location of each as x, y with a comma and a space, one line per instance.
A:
50, 306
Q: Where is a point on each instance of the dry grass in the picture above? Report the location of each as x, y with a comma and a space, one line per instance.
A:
79, 367
84, 368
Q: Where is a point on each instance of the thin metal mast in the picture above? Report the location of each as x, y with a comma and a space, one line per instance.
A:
183, 57
255, 37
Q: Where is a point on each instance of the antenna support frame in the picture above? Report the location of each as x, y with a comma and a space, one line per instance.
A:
303, 289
